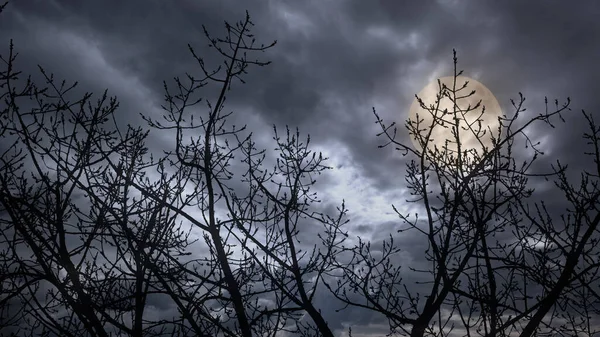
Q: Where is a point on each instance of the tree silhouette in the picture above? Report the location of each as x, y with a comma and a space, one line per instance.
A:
500, 263
262, 217
106, 238
97, 230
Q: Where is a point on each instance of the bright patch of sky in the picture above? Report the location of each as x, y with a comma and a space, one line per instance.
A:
366, 204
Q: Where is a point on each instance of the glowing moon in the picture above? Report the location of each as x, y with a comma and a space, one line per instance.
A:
441, 132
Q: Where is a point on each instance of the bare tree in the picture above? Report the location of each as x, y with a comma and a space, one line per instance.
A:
80, 252
91, 222
96, 229
263, 279
499, 263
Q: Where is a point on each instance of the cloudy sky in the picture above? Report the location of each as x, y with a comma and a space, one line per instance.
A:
334, 60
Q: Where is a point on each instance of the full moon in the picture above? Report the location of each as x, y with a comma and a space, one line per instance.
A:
476, 126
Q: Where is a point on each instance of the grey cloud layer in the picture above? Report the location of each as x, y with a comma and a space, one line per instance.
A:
334, 59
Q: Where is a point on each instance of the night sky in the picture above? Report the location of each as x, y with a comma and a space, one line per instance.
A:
333, 62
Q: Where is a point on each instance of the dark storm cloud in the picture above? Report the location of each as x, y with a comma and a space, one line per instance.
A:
334, 61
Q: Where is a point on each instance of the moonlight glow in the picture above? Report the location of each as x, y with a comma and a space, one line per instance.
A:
467, 120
